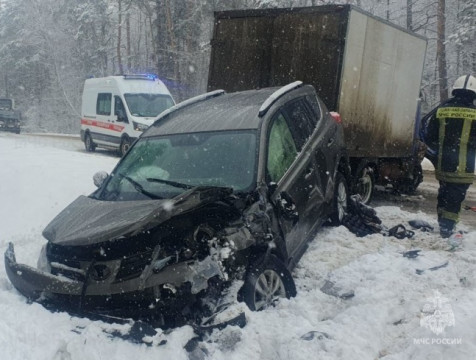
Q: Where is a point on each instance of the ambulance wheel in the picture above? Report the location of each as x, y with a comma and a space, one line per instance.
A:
125, 145
88, 143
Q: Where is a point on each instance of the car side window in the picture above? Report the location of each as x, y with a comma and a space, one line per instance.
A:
281, 149
300, 120
315, 108
103, 104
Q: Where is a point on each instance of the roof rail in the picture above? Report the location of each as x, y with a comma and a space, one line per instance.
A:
276, 95
188, 102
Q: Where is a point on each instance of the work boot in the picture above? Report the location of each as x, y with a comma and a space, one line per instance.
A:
445, 232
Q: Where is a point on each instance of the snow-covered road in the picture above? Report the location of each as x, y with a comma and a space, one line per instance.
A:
391, 316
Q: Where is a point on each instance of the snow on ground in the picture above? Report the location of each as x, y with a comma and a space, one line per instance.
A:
387, 318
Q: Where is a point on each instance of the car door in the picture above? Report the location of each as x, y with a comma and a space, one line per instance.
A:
326, 144
104, 114
291, 165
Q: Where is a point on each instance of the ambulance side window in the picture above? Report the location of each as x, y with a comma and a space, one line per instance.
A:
103, 104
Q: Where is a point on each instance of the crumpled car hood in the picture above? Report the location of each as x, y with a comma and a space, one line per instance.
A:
87, 221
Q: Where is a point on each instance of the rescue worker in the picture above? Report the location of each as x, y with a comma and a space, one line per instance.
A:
451, 133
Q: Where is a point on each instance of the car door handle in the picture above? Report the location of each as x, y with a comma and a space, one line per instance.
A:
330, 142
309, 172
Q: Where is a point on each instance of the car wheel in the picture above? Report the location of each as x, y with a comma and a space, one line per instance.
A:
125, 145
267, 280
88, 143
341, 199
365, 184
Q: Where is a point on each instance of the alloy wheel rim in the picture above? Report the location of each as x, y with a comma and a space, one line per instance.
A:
365, 187
125, 147
268, 289
341, 200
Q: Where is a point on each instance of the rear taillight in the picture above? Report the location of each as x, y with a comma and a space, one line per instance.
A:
336, 117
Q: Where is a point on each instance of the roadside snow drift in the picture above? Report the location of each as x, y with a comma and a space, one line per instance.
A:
401, 308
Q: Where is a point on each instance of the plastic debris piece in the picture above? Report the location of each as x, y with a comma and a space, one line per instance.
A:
411, 254
421, 225
421, 271
311, 335
331, 289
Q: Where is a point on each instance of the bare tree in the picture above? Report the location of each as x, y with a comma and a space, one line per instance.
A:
441, 50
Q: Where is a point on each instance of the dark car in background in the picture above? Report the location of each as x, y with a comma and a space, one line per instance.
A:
9, 117
223, 189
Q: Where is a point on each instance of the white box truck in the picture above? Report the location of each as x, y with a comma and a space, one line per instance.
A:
366, 68
117, 109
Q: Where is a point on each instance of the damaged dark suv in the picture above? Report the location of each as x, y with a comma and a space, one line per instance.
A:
223, 192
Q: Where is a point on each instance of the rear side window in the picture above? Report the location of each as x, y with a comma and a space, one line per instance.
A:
300, 121
315, 109
103, 104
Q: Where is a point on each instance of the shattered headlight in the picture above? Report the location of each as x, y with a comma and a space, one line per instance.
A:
139, 126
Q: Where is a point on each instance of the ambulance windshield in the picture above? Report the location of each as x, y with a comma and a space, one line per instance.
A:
147, 105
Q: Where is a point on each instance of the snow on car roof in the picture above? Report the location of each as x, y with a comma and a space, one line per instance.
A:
233, 111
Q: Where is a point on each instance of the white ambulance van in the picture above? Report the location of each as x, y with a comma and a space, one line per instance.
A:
117, 109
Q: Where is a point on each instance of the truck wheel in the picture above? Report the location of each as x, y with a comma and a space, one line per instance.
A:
365, 184
125, 145
409, 186
267, 280
341, 199
88, 143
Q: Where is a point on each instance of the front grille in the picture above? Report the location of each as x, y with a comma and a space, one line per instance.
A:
133, 266
70, 269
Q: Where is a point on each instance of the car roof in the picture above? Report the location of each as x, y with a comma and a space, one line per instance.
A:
230, 111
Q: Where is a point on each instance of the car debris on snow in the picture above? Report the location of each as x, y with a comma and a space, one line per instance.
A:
330, 288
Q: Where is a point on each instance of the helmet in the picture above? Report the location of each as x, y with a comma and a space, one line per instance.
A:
465, 82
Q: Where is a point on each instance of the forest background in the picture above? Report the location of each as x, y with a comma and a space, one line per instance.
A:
49, 47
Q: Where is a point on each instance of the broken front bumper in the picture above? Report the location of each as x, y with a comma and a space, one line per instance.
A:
148, 288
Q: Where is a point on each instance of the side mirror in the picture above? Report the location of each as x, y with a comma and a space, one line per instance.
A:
99, 178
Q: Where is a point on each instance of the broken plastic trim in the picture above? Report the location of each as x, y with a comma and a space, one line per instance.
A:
32, 282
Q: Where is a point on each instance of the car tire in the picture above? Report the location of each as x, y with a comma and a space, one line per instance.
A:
365, 184
89, 145
340, 201
267, 280
125, 145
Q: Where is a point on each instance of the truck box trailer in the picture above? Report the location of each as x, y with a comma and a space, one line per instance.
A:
363, 67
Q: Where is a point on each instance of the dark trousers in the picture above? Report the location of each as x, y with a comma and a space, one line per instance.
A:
450, 197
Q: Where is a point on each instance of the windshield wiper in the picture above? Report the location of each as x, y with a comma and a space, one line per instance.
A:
171, 183
139, 187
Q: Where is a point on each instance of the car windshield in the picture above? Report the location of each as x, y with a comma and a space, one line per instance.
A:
164, 167
147, 105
